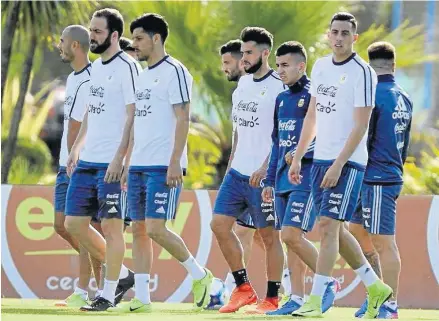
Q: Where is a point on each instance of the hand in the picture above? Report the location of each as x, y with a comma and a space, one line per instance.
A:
124, 179
288, 158
174, 177
72, 161
332, 175
114, 171
257, 177
267, 194
294, 172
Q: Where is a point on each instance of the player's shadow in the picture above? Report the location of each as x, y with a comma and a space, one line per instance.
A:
52, 311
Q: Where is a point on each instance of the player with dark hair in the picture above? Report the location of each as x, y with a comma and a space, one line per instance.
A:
342, 98
294, 204
95, 179
253, 105
126, 45
374, 222
159, 161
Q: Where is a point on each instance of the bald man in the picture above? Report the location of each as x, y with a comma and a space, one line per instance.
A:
73, 47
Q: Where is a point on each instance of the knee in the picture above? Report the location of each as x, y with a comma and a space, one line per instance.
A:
384, 243
218, 227
138, 229
270, 238
72, 226
292, 239
59, 228
155, 231
328, 227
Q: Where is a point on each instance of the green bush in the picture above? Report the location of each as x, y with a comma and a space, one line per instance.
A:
31, 161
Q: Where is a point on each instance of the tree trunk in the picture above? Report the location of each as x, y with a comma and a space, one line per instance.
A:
7, 41
11, 143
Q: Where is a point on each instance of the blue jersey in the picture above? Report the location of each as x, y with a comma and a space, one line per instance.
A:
389, 133
289, 114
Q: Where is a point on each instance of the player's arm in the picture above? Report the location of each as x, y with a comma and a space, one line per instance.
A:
114, 170
372, 127
182, 113
406, 142
126, 165
232, 153
274, 155
128, 84
307, 135
78, 112
77, 145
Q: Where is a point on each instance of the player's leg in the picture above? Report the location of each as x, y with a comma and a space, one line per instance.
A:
161, 205
362, 236
382, 227
142, 246
265, 221
245, 234
96, 265
80, 295
229, 205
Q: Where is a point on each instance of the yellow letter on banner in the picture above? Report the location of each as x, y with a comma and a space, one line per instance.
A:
177, 226
24, 218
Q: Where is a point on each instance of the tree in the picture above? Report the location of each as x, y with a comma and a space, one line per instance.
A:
7, 37
37, 23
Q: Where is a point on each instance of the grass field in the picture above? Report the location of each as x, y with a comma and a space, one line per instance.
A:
43, 310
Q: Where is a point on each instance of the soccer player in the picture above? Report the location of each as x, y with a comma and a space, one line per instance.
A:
233, 67
73, 47
343, 90
253, 102
127, 46
294, 204
159, 160
389, 135
103, 141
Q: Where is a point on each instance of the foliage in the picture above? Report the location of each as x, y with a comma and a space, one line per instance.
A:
32, 160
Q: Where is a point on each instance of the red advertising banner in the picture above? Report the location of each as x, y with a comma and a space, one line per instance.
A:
37, 263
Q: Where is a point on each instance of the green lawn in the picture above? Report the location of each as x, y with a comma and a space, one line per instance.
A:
43, 310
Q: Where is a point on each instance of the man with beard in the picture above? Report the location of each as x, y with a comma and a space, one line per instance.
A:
103, 141
253, 102
73, 47
159, 161
232, 66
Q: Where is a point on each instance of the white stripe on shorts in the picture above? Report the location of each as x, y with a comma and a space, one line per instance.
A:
347, 194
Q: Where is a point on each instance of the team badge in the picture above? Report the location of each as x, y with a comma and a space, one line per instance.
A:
264, 91
343, 78
301, 102
156, 81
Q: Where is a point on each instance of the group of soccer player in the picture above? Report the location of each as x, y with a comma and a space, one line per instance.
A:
331, 147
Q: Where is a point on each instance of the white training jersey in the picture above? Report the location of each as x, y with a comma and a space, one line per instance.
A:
159, 87
253, 106
77, 89
339, 88
112, 88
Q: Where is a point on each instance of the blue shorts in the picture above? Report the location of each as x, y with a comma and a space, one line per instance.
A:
340, 201
236, 196
378, 214
246, 220
61, 186
88, 194
296, 209
150, 197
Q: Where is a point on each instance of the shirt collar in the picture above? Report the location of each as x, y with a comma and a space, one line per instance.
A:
298, 86
386, 78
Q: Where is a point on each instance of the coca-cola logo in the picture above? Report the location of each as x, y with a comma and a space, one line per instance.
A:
96, 91
251, 106
287, 125
143, 94
327, 90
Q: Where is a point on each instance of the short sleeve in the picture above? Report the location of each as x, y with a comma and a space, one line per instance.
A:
180, 86
365, 87
80, 101
129, 78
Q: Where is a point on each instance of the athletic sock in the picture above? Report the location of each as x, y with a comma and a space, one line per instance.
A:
194, 269
142, 288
